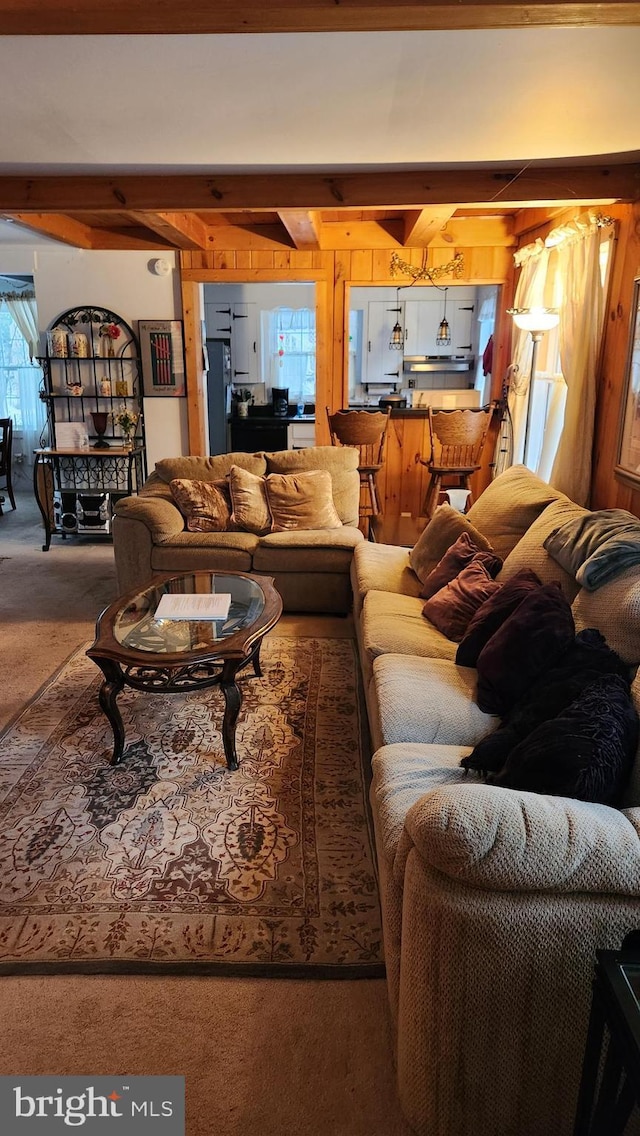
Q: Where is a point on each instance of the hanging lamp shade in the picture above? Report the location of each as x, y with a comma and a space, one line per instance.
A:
396, 339
443, 338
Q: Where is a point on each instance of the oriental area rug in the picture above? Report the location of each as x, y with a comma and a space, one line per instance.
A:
169, 862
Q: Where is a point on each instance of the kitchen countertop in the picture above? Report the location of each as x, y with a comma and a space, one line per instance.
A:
271, 419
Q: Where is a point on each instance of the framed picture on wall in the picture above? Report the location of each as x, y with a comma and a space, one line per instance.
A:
628, 466
162, 354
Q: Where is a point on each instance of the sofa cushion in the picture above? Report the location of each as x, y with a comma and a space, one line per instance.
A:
192, 552
402, 774
394, 624
209, 468
438, 536
342, 464
249, 505
382, 568
509, 506
205, 505
493, 613
615, 610
461, 553
530, 551
452, 608
428, 700
530, 640
586, 751
307, 550
301, 500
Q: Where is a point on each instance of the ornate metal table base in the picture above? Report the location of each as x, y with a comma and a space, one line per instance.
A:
173, 680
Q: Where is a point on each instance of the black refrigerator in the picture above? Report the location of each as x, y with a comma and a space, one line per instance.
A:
219, 394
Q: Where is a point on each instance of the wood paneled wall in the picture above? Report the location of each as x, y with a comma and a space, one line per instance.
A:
403, 481
607, 490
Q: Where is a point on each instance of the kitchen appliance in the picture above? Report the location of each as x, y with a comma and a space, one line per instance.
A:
444, 364
393, 401
218, 393
280, 399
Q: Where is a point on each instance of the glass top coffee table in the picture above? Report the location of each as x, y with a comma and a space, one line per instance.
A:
134, 648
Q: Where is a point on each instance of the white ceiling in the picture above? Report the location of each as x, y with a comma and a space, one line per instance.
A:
147, 103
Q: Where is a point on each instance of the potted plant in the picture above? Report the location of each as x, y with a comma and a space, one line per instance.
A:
127, 420
242, 399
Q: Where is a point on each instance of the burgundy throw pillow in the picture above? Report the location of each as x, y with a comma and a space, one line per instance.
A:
454, 605
461, 553
530, 640
493, 613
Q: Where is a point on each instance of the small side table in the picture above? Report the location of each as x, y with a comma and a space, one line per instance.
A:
400, 530
616, 1006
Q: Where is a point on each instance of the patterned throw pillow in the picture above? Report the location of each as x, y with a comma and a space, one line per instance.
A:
443, 530
453, 606
205, 505
301, 501
461, 553
249, 505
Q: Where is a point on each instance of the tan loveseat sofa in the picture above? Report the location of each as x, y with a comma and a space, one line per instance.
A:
310, 567
494, 900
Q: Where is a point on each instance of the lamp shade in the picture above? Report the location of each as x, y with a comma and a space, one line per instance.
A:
534, 319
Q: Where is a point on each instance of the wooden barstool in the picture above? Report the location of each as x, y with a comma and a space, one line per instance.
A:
366, 431
457, 439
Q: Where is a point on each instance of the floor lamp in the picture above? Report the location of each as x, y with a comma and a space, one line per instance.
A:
536, 321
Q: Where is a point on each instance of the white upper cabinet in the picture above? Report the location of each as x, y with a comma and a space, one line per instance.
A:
423, 318
244, 343
382, 365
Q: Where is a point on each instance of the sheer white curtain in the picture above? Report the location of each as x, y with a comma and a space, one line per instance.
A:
530, 292
20, 377
565, 272
290, 335
22, 309
580, 334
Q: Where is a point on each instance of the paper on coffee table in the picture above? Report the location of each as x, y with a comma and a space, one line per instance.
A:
187, 606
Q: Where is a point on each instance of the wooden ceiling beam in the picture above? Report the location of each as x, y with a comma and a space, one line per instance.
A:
303, 226
422, 225
63, 229
412, 189
174, 17
182, 230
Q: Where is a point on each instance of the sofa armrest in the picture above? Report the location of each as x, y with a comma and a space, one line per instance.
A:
162, 518
506, 840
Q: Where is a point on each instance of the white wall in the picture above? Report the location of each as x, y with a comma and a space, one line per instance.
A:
66, 277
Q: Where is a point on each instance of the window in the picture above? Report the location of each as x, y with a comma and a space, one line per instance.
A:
19, 379
289, 347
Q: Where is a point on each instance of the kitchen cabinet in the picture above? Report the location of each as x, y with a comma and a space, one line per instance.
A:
423, 317
382, 364
300, 435
239, 324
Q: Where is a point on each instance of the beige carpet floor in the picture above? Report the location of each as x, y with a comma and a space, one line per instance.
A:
274, 1057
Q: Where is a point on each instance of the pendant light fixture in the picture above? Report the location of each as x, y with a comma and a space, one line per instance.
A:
396, 342
443, 338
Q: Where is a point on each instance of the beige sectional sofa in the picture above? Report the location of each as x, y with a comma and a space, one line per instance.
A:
494, 900
310, 567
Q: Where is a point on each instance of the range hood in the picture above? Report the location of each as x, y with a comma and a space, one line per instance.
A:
443, 364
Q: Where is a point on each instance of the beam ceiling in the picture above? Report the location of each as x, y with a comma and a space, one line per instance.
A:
174, 17
533, 184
